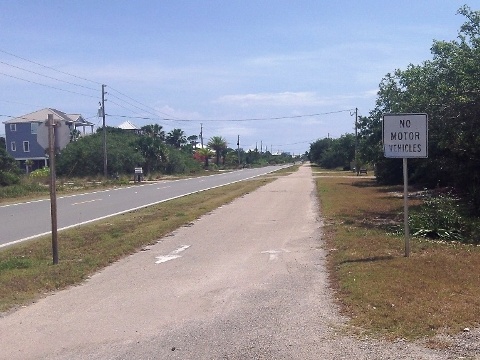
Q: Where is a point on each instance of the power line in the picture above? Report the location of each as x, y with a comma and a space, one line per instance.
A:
266, 118
156, 118
48, 86
240, 120
138, 102
50, 68
49, 77
296, 143
128, 104
20, 103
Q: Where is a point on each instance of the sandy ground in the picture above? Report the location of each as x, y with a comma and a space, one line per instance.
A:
247, 281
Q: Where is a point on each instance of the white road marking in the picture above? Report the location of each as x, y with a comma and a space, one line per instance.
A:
273, 254
173, 255
88, 201
123, 211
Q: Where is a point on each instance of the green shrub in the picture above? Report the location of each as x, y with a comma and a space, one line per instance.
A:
8, 178
40, 173
439, 217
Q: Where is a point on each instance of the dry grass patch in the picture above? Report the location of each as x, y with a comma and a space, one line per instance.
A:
435, 289
26, 270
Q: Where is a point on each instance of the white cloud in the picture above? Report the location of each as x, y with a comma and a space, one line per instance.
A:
173, 113
273, 99
289, 99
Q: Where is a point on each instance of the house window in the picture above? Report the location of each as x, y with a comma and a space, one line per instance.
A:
26, 146
13, 127
13, 146
33, 127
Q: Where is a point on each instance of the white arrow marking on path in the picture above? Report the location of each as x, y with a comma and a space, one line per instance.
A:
274, 253
173, 255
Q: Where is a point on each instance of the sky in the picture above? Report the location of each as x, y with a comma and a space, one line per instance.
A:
280, 73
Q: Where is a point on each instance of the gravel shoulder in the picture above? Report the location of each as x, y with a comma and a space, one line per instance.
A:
247, 281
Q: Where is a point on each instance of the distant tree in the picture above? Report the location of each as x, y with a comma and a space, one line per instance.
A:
74, 135
28, 165
179, 161
154, 151
231, 157
252, 157
204, 154
318, 149
176, 138
81, 158
217, 144
154, 131
193, 140
9, 170
332, 153
447, 89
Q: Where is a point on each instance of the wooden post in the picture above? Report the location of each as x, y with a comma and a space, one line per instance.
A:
53, 187
105, 167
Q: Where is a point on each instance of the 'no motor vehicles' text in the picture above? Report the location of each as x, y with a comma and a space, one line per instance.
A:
405, 135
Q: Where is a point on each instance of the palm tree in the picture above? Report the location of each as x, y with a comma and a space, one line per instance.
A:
176, 138
154, 131
154, 152
192, 139
205, 153
218, 144
28, 165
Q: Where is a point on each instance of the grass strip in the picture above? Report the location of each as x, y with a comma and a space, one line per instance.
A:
435, 290
26, 270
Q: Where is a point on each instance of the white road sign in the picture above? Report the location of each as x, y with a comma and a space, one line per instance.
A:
405, 135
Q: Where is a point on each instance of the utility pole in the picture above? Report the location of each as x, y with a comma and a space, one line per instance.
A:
261, 147
105, 172
201, 134
238, 149
356, 142
53, 188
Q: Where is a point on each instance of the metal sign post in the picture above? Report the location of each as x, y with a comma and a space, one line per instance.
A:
405, 208
405, 136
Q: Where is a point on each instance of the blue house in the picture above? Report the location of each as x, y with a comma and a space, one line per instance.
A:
21, 135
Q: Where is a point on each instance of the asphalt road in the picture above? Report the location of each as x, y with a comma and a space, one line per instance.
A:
23, 221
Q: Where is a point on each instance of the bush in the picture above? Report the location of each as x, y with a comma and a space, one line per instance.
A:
181, 162
8, 178
40, 173
439, 217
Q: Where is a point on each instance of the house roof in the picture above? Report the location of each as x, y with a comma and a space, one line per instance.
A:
79, 120
127, 125
42, 115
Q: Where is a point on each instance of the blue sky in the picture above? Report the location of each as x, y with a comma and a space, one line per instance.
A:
183, 63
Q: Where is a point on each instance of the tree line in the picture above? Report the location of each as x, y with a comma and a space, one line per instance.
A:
447, 88
155, 151
151, 148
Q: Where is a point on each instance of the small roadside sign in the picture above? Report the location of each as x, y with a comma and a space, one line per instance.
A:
405, 135
62, 135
